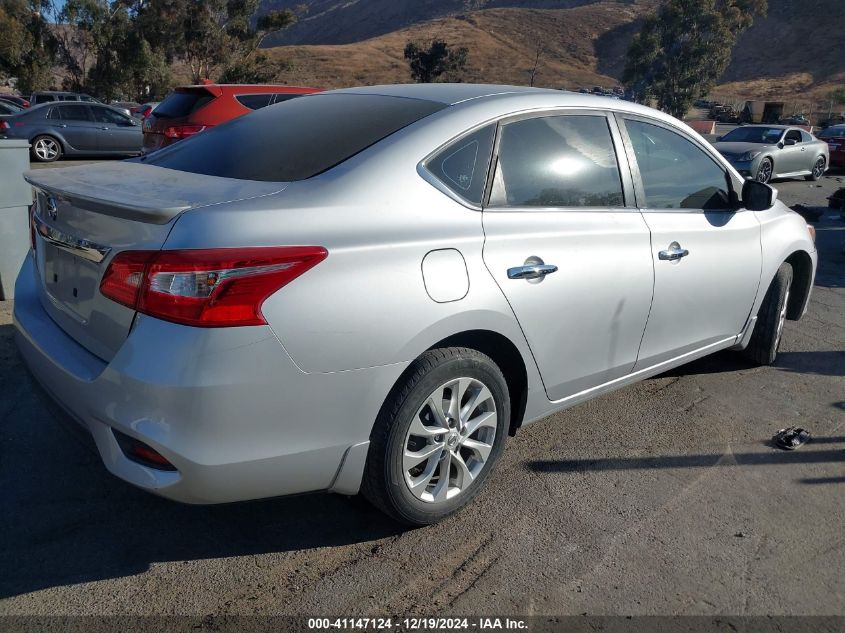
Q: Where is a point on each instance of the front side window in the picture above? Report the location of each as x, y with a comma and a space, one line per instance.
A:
107, 115
676, 174
794, 135
557, 161
462, 165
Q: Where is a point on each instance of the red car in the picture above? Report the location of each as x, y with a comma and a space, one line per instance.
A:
192, 109
16, 99
834, 136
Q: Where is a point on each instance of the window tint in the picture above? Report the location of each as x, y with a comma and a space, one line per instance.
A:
107, 115
71, 113
179, 104
676, 174
254, 102
793, 135
557, 161
463, 165
293, 140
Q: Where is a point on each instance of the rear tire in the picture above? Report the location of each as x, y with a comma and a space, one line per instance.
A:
461, 431
45, 149
768, 331
818, 169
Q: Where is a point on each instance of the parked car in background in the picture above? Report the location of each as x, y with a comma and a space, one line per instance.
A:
191, 109
74, 129
7, 108
143, 111
48, 96
764, 152
124, 106
16, 99
795, 119
332, 294
837, 119
834, 136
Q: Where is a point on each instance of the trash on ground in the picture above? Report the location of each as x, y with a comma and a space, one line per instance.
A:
791, 438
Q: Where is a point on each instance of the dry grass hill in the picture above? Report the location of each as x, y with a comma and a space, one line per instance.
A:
797, 52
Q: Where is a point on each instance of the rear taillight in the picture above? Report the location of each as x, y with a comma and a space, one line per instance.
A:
206, 288
4, 125
182, 131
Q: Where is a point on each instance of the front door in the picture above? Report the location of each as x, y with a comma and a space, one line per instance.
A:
118, 133
706, 254
793, 157
568, 248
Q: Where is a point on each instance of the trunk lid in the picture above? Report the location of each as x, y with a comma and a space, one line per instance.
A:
86, 215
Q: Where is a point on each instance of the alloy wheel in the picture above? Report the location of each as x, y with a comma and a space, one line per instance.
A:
781, 319
764, 174
449, 440
818, 168
46, 149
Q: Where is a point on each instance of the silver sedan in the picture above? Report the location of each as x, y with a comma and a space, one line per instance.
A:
368, 290
764, 152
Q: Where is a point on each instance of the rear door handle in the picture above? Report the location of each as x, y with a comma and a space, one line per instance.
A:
104, 128
673, 253
532, 271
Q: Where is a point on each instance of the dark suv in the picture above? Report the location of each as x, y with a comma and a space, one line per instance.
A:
46, 96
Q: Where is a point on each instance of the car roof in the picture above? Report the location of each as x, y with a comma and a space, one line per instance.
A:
449, 94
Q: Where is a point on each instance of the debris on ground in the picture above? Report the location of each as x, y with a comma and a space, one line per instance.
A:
791, 438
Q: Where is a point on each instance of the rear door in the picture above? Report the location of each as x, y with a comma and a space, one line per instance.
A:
77, 125
706, 255
568, 247
118, 133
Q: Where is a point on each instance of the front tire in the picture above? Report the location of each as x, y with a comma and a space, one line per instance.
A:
818, 169
764, 171
45, 149
765, 341
438, 436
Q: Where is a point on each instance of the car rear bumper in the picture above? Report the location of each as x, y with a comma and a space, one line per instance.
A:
226, 406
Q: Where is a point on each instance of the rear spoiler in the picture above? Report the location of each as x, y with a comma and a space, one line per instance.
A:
135, 191
108, 193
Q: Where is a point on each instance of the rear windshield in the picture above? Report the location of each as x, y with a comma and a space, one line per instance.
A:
179, 104
293, 140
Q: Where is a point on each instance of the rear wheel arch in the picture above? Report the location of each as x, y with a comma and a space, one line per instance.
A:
502, 352
802, 279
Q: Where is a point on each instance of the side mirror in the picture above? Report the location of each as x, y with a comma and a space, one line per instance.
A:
790, 141
757, 196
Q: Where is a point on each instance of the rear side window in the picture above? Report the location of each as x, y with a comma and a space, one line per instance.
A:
806, 137
676, 174
71, 113
179, 104
254, 102
293, 140
557, 161
462, 165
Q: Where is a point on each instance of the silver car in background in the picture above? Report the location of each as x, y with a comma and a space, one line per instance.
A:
764, 152
367, 290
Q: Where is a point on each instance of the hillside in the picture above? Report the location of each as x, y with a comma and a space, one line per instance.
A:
502, 45
796, 52
346, 21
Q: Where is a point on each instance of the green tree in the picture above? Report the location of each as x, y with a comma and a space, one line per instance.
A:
430, 61
26, 45
684, 48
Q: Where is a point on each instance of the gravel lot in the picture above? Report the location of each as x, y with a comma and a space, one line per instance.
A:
662, 498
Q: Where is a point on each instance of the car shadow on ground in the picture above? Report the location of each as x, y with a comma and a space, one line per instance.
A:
826, 363
66, 520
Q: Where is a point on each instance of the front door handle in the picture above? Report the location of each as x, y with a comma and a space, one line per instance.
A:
531, 271
104, 128
673, 253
